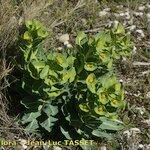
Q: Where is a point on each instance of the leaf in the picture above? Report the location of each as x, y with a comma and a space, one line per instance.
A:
70, 60
72, 74
118, 87
44, 72
89, 147
103, 98
108, 81
32, 126
48, 123
65, 133
81, 38
50, 110
37, 24
29, 103
84, 107
90, 66
69, 75
110, 64
108, 124
27, 36
100, 110
30, 117
61, 60
54, 94
42, 33
117, 103
102, 39
102, 134
91, 82
29, 24
38, 65
120, 29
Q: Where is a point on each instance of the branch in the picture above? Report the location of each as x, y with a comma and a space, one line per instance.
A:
141, 63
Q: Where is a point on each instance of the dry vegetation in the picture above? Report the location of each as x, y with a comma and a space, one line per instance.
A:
70, 16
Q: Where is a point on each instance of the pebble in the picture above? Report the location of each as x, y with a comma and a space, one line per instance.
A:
140, 32
148, 94
138, 14
57, 148
141, 8
103, 148
103, 13
63, 38
148, 17
135, 130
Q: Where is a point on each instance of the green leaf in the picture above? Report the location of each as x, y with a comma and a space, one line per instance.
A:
70, 60
44, 72
91, 82
50, 110
102, 134
61, 60
72, 74
37, 24
55, 93
48, 123
32, 126
108, 124
27, 36
117, 103
89, 147
81, 38
90, 66
108, 81
118, 87
65, 133
69, 75
100, 110
42, 33
84, 107
30, 117
29, 24
38, 65
103, 98
120, 29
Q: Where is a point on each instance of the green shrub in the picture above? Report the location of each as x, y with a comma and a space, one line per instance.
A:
74, 91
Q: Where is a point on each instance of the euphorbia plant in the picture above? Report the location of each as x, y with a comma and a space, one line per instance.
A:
75, 91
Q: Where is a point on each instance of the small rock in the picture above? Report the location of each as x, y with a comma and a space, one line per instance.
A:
63, 38
66, 43
141, 8
141, 33
135, 130
103, 13
147, 146
103, 148
69, 45
148, 17
23, 143
141, 146
57, 148
147, 5
116, 14
127, 134
131, 28
141, 110
106, 9
59, 48
147, 122
138, 14
148, 94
